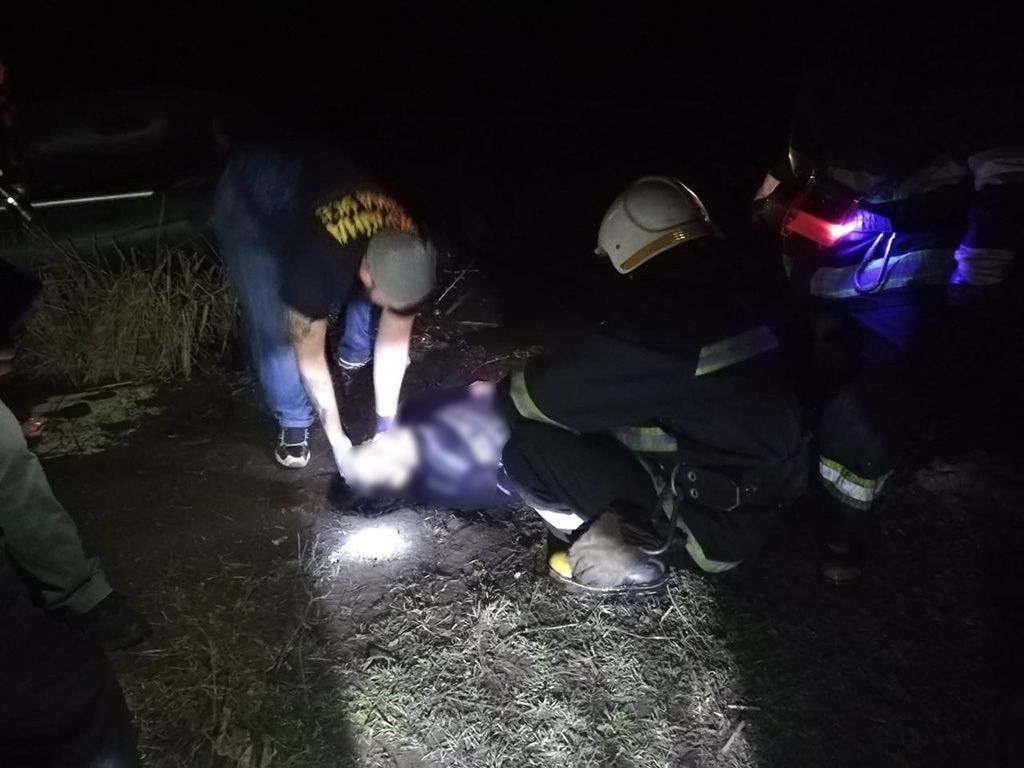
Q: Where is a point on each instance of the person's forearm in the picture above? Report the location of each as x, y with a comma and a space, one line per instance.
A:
308, 337
316, 378
391, 356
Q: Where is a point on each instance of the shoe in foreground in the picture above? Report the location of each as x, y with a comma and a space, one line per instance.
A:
292, 449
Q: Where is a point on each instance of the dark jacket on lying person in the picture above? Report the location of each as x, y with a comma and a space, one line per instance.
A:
445, 450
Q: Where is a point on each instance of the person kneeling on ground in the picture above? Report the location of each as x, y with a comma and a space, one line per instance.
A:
682, 373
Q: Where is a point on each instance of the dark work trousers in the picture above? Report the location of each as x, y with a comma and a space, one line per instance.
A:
60, 704
872, 357
583, 474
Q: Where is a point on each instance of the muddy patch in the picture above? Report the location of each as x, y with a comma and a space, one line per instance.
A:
91, 421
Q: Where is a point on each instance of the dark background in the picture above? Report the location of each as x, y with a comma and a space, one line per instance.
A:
509, 128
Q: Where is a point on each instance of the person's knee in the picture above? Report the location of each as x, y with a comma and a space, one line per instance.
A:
513, 455
528, 443
527, 462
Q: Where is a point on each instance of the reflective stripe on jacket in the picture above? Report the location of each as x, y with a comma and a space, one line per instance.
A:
702, 405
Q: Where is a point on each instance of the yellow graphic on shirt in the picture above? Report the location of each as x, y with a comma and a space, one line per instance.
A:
362, 214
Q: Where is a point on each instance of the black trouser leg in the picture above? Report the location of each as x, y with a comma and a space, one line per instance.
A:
60, 703
586, 474
865, 423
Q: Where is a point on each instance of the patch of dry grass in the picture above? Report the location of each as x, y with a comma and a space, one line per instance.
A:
128, 315
236, 674
507, 670
529, 677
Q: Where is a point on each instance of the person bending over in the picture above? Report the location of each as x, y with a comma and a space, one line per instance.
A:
303, 235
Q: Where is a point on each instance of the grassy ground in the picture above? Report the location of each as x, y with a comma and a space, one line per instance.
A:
282, 640
153, 315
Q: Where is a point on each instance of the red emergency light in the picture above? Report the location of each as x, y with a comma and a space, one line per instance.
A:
823, 212
815, 228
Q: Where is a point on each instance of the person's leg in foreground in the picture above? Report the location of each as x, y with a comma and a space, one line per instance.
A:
593, 493
257, 282
60, 703
40, 536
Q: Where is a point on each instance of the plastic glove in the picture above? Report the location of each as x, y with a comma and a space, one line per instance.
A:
383, 423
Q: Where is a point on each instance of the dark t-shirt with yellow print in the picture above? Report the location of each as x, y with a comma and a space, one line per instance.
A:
319, 235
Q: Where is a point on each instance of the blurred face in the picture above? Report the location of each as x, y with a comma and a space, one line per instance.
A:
385, 464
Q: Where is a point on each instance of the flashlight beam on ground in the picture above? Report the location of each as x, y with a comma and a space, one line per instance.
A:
377, 542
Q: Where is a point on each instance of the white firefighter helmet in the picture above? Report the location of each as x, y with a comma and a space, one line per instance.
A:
651, 216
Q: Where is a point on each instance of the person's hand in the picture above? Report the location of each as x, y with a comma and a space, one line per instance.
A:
6, 359
341, 451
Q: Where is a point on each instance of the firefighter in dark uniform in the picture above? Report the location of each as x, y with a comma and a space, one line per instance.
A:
901, 200
682, 373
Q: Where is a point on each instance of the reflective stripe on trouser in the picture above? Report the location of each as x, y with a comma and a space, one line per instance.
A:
851, 489
736, 349
696, 553
931, 266
646, 439
566, 522
524, 403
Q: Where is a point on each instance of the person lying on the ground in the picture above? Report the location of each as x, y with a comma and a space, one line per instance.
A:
38, 534
304, 235
682, 368
444, 450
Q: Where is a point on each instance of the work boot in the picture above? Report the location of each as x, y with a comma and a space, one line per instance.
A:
292, 450
842, 565
608, 558
113, 623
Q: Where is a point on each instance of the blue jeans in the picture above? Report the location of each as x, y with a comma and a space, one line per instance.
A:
361, 321
252, 183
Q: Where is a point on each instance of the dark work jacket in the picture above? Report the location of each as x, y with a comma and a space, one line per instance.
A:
683, 351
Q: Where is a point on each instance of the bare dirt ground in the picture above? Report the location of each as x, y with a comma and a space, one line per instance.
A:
290, 632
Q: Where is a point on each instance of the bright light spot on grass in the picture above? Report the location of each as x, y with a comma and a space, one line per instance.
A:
377, 542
